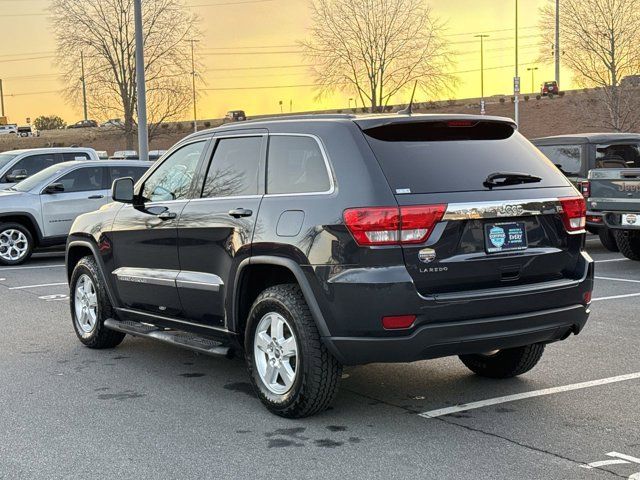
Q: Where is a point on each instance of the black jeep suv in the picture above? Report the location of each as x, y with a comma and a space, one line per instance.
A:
314, 242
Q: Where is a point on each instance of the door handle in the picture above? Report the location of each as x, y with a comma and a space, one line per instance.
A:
96, 197
167, 215
240, 212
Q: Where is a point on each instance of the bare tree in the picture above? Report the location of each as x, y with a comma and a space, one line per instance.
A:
600, 42
103, 30
376, 49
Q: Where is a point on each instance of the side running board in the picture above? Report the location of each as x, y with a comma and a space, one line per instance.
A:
186, 340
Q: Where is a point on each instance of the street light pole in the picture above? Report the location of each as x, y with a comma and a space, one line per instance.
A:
516, 79
557, 45
482, 104
533, 71
143, 133
193, 74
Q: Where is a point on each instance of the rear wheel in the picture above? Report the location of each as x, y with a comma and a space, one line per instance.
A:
608, 239
16, 244
504, 363
292, 371
90, 307
629, 243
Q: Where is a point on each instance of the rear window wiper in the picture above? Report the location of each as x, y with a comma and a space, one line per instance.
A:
502, 179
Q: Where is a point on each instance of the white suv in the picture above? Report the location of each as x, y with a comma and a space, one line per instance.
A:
16, 165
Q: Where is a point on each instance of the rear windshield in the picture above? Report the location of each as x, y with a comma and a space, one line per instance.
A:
436, 157
619, 155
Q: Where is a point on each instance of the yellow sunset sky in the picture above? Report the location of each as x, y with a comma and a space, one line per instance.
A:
32, 83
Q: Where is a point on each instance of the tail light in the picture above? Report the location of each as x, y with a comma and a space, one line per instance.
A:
574, 213
393, 225
585, 188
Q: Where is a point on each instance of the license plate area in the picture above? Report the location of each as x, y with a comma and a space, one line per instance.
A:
505, 237
631, 219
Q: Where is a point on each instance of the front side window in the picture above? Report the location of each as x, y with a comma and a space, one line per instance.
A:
83, 180
172, 180
35, 163
626, 155
296, 165
566, 157
234, 168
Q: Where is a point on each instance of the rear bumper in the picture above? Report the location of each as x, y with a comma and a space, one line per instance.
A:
613, 220
463, 337
447, 324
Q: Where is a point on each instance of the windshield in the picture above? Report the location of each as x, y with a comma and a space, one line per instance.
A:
5, 158
36, 179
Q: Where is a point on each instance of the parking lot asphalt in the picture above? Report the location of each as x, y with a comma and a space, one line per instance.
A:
147, 410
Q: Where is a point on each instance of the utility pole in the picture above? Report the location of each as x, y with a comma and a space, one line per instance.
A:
516, 79
557, 45
1, 98
482, 37
533, 71
143, 133
193, 74
84, 87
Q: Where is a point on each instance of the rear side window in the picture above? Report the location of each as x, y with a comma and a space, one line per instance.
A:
566, 157
622, 155
124, 172
296, 165
69, 156
234, 168
456, 156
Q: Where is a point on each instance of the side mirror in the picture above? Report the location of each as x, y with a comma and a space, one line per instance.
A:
54, 188
17, 176
123, 190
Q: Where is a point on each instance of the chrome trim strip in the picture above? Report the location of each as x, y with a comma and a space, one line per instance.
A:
149, 276
502, 209
170, 278
199, 281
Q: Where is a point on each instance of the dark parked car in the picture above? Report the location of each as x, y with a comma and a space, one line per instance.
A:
84, 124
235, 116
578, 154
313, 242
550, 89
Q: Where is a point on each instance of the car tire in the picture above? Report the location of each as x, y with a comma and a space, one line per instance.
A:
313, 373
90, 307
629, 243
608, 239
504, 363
16, 244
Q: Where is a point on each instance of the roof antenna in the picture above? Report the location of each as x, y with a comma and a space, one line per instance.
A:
409, 109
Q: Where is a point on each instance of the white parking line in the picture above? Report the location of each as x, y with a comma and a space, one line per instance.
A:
521, 396
614, 297
613, 260
618, 279
24, 287
7, 269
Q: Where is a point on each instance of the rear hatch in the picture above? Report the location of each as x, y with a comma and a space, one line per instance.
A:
480, 208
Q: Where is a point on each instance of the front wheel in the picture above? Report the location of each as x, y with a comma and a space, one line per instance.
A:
90, 307
16, 244
504, 363
629, 243
291, 369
